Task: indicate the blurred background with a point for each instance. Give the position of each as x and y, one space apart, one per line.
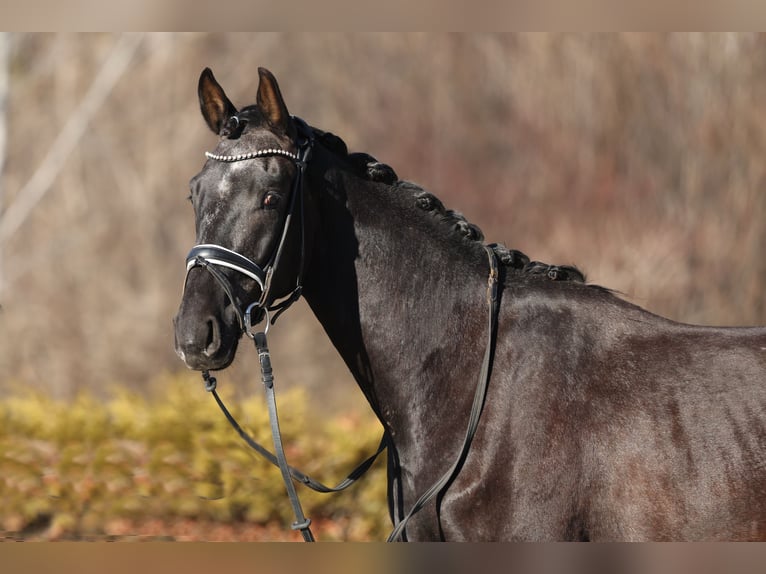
640 158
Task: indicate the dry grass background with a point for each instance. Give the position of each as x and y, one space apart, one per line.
639 158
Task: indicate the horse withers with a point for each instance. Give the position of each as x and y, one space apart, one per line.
600 420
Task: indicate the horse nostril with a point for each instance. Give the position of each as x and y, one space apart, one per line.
213 341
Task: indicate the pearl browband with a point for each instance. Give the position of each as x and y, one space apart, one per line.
253 155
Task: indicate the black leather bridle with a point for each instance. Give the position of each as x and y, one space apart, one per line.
213 257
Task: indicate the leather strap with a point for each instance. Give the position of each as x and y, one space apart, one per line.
301 522
303 478
443 483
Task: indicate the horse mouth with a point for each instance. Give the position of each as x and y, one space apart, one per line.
201 361
210 346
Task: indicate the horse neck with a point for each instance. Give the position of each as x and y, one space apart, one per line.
396 293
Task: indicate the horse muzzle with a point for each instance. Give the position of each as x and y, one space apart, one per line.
204 344
206 328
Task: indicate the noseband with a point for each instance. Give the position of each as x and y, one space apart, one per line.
213 257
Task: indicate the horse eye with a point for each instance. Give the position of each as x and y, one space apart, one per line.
271 200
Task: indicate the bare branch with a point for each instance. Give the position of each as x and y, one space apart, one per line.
45 174
4 57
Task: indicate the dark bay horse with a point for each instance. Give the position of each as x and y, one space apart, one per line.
601 421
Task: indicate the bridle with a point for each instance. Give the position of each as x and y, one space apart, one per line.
212 257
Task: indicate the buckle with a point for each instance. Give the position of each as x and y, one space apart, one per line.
301 525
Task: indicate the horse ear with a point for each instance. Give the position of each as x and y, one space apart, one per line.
215 106
270 100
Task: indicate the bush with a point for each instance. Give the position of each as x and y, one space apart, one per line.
84 464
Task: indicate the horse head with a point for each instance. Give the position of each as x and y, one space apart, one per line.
248 210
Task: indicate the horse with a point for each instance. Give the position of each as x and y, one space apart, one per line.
597 420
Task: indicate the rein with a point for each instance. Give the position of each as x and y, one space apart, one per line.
211 257
441 485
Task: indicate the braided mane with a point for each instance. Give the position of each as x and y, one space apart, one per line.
368 167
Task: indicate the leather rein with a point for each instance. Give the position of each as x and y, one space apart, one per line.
213 257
